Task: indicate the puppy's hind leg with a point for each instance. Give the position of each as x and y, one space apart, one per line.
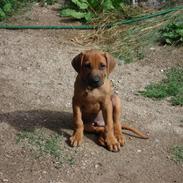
91 128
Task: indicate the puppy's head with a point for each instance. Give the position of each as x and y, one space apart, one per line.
93 67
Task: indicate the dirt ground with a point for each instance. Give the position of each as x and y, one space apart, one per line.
36 87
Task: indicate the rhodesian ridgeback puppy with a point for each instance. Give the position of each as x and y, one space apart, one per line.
95 108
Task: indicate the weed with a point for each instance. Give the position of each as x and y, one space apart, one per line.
43 144
171 86
178 99
172 33
177 153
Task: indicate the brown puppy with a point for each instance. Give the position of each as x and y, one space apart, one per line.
95 108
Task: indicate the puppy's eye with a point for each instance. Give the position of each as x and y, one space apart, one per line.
102 66
87 65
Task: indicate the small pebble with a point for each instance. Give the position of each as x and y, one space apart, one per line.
116 92
157 140
98 165
5 180
44 172
139 150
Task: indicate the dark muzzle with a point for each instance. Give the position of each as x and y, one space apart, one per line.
94 81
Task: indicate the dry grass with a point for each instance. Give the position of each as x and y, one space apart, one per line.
126 42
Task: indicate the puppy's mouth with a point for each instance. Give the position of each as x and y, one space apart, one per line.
95 85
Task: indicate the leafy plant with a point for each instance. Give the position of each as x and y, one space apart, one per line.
172 34
87 16
8 7
88 9
171 86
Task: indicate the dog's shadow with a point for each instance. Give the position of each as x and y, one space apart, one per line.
58 121
31 120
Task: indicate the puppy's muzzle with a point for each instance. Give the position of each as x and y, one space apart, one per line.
94 81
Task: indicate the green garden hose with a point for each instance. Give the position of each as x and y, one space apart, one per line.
128 21
47 27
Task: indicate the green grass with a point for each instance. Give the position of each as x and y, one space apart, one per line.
177 153
172 87
42 144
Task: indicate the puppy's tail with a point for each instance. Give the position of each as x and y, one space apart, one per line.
101 129
135 131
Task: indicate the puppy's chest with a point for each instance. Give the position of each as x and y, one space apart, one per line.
90 96
90 102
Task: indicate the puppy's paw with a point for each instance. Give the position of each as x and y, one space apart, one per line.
120 138
101 140
112 143
76 139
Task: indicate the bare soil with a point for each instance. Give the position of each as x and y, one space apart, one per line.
36 88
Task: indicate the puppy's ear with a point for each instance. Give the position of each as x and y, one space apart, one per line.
77 62
111 63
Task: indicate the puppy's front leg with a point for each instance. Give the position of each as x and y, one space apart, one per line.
110 140
76 138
